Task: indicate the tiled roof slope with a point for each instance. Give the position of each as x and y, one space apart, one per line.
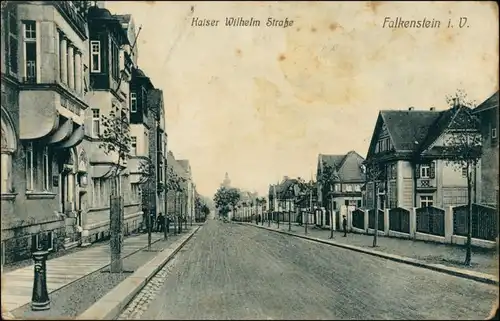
489 103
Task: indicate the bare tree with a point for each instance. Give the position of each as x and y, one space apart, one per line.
463 149
373 174
327 179
115 140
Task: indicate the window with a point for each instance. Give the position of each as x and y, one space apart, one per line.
95 52
424 171
133 102
336 187
426 201
30 166
133 143
30 51
115 61
357 188
348 188
6 173
464 171
493 133
11 37
46 170
96 122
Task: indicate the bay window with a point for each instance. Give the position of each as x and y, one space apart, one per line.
133 102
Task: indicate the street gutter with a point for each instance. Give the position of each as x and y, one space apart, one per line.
476 276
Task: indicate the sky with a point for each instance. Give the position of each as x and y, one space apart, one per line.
262 102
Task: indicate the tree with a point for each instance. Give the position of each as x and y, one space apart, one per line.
463 149
327 179
303 191
115 140
226 199
373 174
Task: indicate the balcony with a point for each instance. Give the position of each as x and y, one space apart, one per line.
426 184
73 12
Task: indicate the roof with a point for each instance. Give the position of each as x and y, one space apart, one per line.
414 131
337 161
184 163
408 128
123 18
332 160
491 102
176 167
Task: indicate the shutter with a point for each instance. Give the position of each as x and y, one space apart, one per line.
417 171
432 170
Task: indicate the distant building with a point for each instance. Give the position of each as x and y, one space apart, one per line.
488 115
349 178
226 182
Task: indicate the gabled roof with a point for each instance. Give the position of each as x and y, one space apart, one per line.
332 160
176 167
414 131
491 102
184 163
337 162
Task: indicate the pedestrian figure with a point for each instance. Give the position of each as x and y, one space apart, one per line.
167 223
344 225
160 223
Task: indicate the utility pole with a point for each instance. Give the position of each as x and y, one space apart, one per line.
331 218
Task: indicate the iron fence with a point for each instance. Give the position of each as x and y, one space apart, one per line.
484 221
399 220
430 220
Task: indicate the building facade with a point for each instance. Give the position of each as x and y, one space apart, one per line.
346 183
44 170
409 151
190 190
487 112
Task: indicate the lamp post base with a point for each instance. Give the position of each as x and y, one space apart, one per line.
40 306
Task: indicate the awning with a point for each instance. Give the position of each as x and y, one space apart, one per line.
102 171
63 132
75 138
107 170
138 178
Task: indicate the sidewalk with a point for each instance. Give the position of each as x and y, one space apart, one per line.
483 260
17 285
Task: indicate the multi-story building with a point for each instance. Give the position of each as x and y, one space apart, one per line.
189 186
348 178
111 63
156 186
282 198
408 148
488 115
141 119
176 199
44 171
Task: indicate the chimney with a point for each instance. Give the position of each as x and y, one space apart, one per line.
411 108
433 108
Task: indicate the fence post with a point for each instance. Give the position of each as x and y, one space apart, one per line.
413 222
448 224
386 222
349 219
366 221
333 221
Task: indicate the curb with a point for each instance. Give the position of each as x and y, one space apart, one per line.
476 276
112 304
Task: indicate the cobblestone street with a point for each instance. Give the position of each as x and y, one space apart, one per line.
231 271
